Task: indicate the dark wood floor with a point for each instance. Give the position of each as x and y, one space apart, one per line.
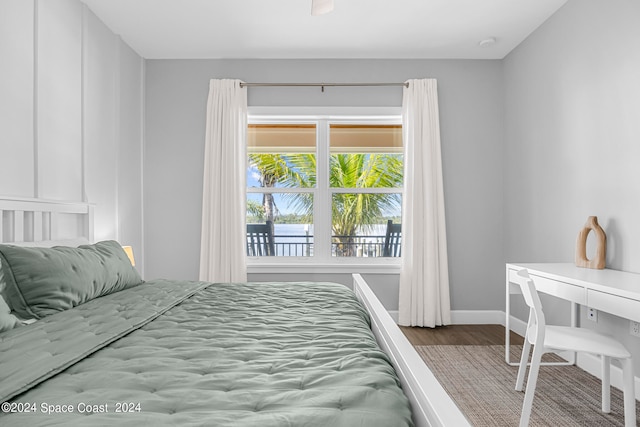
459 335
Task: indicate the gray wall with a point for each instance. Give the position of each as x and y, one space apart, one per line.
532 145
572 141
71 113
471 112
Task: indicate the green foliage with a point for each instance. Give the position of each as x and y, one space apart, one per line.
292 219
289 170
255 211
350 211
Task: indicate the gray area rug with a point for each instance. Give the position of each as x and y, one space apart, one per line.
482 385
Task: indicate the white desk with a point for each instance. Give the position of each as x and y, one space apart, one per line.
611 291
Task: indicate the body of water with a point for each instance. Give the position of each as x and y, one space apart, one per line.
297 240
285 230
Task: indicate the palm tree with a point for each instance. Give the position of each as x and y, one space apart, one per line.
289 170
351 212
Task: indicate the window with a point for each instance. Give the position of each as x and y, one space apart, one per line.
328 188
281 172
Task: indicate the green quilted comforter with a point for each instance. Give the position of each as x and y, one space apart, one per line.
187 353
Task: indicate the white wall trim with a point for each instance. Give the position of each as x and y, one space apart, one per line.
83 102
143 145
117 125
518 326
477 317
36 162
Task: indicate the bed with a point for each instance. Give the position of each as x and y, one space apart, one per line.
110 349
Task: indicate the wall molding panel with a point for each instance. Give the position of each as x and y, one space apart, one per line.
59 96
17 46
60 120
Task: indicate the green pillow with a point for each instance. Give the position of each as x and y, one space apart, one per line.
43 281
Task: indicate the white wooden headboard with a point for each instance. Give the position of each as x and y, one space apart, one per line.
34 220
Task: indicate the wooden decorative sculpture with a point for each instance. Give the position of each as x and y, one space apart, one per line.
599 260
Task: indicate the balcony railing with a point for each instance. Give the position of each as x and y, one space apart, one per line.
293 245
341 246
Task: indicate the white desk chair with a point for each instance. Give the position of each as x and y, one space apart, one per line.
560 338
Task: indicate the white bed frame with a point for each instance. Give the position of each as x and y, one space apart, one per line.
430 403
35 220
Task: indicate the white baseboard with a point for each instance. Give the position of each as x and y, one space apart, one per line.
469 317
588 362
477 317
516 325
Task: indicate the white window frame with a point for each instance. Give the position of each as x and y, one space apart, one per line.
322 261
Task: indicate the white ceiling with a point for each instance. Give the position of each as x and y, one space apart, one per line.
355 29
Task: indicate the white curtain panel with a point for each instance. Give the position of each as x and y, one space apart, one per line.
424 277
223 246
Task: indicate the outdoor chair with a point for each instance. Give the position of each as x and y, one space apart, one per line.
260 240
392 240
